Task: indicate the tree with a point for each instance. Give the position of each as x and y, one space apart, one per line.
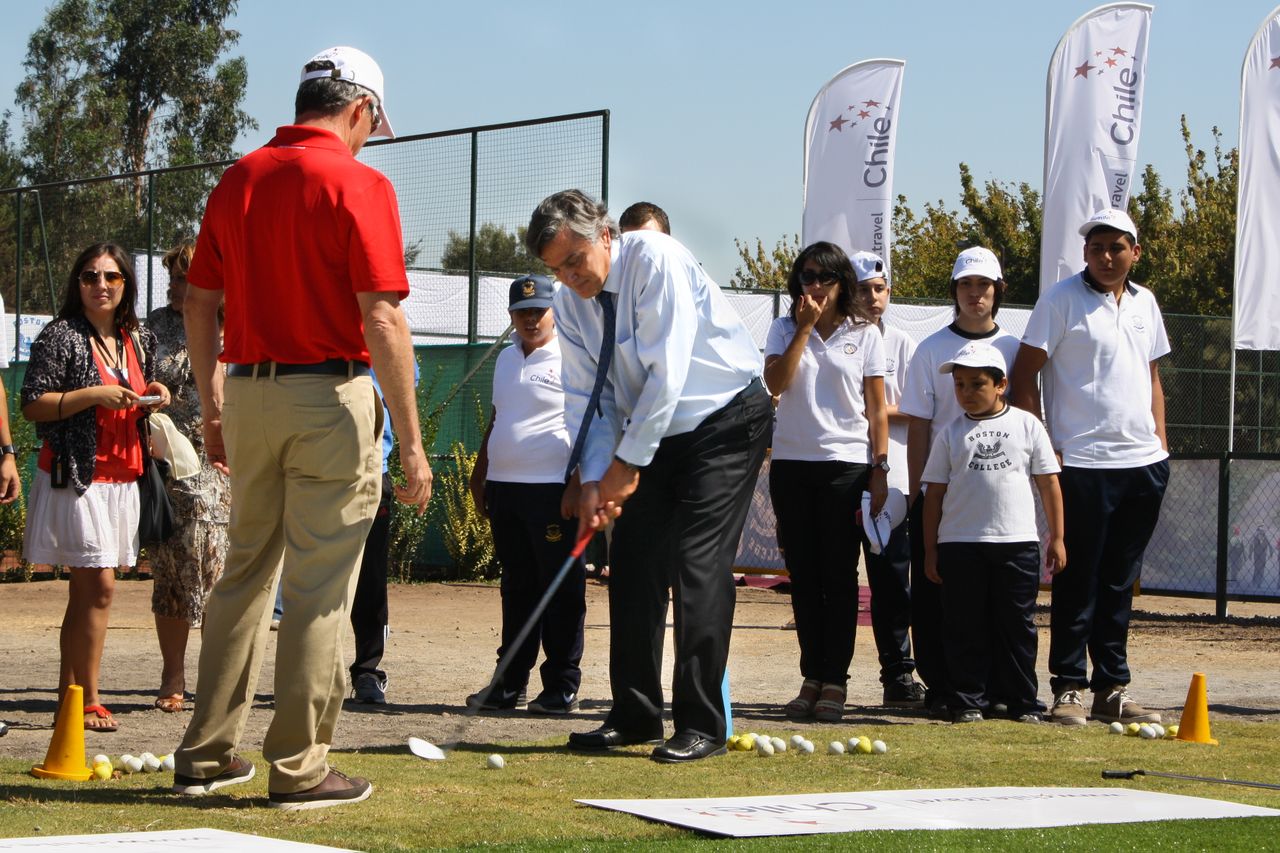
121 86
1007 220
924 250
765 271
497 250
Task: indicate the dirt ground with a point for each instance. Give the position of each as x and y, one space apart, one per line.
441 649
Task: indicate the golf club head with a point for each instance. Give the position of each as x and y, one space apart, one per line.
426 749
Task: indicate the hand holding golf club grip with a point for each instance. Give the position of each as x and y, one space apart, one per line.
1119 774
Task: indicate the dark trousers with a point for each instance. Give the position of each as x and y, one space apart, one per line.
532 542
889 576
989 598
369 618
1109 515
816 504
926 614
679 532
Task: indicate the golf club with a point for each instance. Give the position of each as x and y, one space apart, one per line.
1129 774
424 749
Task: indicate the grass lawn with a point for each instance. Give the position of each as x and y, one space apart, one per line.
458 803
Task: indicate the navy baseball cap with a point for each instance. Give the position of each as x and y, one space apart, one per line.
531 291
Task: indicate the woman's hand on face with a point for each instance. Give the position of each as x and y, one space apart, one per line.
114 397
808 311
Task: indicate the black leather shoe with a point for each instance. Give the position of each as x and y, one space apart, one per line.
607 737
687 746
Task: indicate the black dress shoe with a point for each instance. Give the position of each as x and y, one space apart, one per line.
687 746
607 737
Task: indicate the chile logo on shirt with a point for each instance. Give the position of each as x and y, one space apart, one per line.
850 349
1136 321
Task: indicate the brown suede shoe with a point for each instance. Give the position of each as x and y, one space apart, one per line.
336 789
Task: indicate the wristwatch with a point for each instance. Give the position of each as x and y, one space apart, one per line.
8 450
883 465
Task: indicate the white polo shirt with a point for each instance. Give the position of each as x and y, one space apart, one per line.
932 395
821 415
987 464
529 442
1097 381
898 349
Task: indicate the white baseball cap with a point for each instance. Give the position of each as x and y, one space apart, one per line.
976 261
1109 217
354 66
868 265
975 355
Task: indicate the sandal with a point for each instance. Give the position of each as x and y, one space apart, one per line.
830 707
171 704
101 721
801 707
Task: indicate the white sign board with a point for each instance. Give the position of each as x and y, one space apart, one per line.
186 840
949 808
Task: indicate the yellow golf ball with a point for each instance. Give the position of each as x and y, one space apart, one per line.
102 770
1171 731
864 745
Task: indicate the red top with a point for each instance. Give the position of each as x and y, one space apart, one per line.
291 233
119 455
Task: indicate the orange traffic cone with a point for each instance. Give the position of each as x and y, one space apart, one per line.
65 758
1194 725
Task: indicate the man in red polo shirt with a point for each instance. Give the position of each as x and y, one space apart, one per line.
303 241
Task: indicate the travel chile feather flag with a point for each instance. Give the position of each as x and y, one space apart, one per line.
1093 114
849 139
1257 297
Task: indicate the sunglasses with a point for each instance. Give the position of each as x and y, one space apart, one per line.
826 277
88 278
376 119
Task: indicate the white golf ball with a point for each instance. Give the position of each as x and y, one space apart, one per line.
1158 729
806 746
167 762
133 765
764 747
835 748
796 740
879 747
100 759
1117 728
495 762
779 745
144 756
117 763
1146 732
151 764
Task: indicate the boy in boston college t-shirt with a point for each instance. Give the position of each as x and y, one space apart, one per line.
980 537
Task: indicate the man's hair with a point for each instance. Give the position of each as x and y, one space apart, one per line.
328 96
830 258
995 373
635 216
177 260
73 300
572 209
997 296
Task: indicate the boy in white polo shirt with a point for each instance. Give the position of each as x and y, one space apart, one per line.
980 538
977 287
1094 339
889 572
518 482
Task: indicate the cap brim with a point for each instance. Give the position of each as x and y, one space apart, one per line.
384 130
536 302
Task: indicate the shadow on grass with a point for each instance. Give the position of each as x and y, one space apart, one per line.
35 792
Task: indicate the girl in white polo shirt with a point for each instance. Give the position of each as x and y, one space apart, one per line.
826 363
518 482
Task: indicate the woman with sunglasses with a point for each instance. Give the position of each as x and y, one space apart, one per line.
825 362
86 392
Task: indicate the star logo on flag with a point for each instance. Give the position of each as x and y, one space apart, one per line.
1110 63
1275 63
871 103
1083 70
838 124
1119 51
863 114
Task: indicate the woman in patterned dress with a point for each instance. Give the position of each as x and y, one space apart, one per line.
185 566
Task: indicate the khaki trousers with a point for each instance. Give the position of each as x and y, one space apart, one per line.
306 474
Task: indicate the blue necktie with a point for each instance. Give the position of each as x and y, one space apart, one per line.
605 298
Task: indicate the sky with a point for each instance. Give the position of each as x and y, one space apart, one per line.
708 99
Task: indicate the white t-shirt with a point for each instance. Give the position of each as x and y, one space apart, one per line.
822 415
1097 381
931 395
987 464
898 350
4 337
529 442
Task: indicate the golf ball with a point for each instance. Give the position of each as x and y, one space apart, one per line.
133 765
1132 730
1117 728
167 762
1146 732
118 763
796 740
879 747
747 743
835 748
495 762
732 743
864 745
1158 729
102 770
764 747
150 764
805 746
852 744
101 759
1172 731
779 745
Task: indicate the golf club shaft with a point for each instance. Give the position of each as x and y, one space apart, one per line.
1129 774
525 630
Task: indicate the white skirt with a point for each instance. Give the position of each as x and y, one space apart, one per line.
98 529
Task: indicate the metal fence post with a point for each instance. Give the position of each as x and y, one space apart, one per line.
1224 510
151 237
604 158
17 314
473 285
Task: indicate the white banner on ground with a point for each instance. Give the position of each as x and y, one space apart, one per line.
953 808
186 840
1257 291
849 139
1093 113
